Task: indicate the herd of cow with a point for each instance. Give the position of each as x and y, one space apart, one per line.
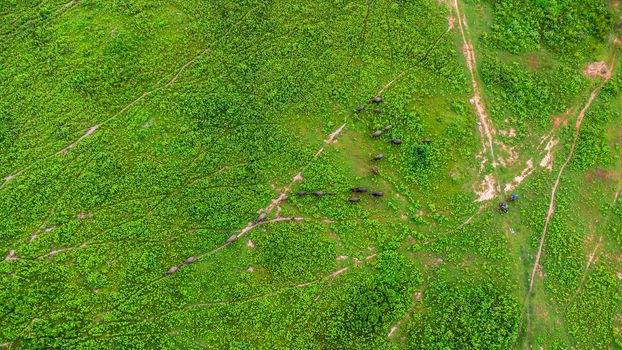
377 157
356 190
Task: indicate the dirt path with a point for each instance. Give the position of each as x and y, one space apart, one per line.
466 222
585 273
90 131
417 296
450 26
486 128
551 210
256 297
596 247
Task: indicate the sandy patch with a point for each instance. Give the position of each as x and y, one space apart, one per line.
250 244
487 189
148 123
511 132
597 69
393 329
561 119
84 215
511 154
532 61
520 178
332 137
547 161
451 22
11 255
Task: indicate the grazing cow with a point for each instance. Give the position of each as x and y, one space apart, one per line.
261 217
377 194
377 99
377 110
190 260
374 171
360 109
359 189
376 133
231 239
388 127
301 193
318 193
378 157
396 142
353 200
171 271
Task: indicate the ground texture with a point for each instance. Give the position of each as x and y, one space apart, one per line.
180 174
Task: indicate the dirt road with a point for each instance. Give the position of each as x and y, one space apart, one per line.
551 210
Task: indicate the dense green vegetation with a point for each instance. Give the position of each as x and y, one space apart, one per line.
142 140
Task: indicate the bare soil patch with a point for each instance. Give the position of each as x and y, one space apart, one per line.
511 132
250 244
487 189
520 178
600 174
532 61
547 160
597 69
333 136
11 255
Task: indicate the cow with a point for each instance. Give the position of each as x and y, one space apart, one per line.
378 156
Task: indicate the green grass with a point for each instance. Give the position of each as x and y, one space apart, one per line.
203 112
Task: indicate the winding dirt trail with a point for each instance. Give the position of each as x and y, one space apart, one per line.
551 210
485 125
597 246
489 186
90 131
590 259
